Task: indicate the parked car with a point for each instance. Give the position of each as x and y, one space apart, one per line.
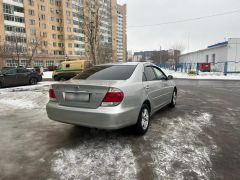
18 76
52 68
69 69
112 96
38 71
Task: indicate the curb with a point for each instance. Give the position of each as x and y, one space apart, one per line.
47 79
207 79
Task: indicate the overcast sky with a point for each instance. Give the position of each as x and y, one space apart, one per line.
199 33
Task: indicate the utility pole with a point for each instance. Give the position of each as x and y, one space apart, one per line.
236 55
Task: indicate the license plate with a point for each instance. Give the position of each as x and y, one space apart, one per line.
77 97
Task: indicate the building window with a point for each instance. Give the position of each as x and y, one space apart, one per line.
207 58
24 63
8 9
19 19
43 8
32 22
31 12
49 63
11 63
31 2
38 63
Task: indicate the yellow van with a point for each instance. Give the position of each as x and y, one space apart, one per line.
68 69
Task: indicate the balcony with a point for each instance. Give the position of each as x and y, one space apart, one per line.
18 3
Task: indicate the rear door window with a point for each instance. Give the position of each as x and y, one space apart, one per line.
160 75
108 72
149 73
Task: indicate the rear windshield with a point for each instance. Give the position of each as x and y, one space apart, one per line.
108 72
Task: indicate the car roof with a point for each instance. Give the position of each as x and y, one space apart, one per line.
127 64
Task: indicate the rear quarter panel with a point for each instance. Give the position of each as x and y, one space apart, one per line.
134 96
134 93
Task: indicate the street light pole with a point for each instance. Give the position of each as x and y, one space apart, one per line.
160 55
18 58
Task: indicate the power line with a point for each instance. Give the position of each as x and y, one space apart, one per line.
187 20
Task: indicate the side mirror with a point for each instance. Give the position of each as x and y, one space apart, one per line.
170 77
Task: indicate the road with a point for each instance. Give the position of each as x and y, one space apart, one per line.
199 139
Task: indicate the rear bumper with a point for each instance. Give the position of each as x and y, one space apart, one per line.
101 118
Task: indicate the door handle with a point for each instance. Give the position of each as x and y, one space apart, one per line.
147 87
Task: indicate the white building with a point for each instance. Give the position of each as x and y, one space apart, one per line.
217 55
130 55
137 58
221 52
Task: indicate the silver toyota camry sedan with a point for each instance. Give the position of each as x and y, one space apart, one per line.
112 96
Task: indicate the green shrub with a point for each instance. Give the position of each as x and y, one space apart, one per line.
192 72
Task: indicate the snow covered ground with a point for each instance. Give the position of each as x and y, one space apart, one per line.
182 75
174 144
97 158
44 85
47 75
180 149
207 75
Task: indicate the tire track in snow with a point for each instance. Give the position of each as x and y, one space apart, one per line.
181 151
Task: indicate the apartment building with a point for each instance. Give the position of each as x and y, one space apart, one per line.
58 26
121 33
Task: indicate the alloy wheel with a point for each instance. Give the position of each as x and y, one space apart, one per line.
145 119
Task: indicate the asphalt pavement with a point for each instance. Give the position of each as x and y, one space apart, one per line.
199 139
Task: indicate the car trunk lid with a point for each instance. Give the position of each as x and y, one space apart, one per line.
82 93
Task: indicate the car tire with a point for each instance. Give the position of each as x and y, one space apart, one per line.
62 79
56 78
143 120
174 99
33 81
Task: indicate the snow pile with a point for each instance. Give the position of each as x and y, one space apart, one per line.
99 158
23 100
202 75
39 86
17 104
182 150
47 75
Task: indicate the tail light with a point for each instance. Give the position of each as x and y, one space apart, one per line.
52 94
113 97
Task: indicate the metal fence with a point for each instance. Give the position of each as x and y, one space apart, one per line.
228 67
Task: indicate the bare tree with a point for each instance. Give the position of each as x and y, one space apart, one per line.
13 47
177 49
34 46
5 52
105 53
96 51
178 46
